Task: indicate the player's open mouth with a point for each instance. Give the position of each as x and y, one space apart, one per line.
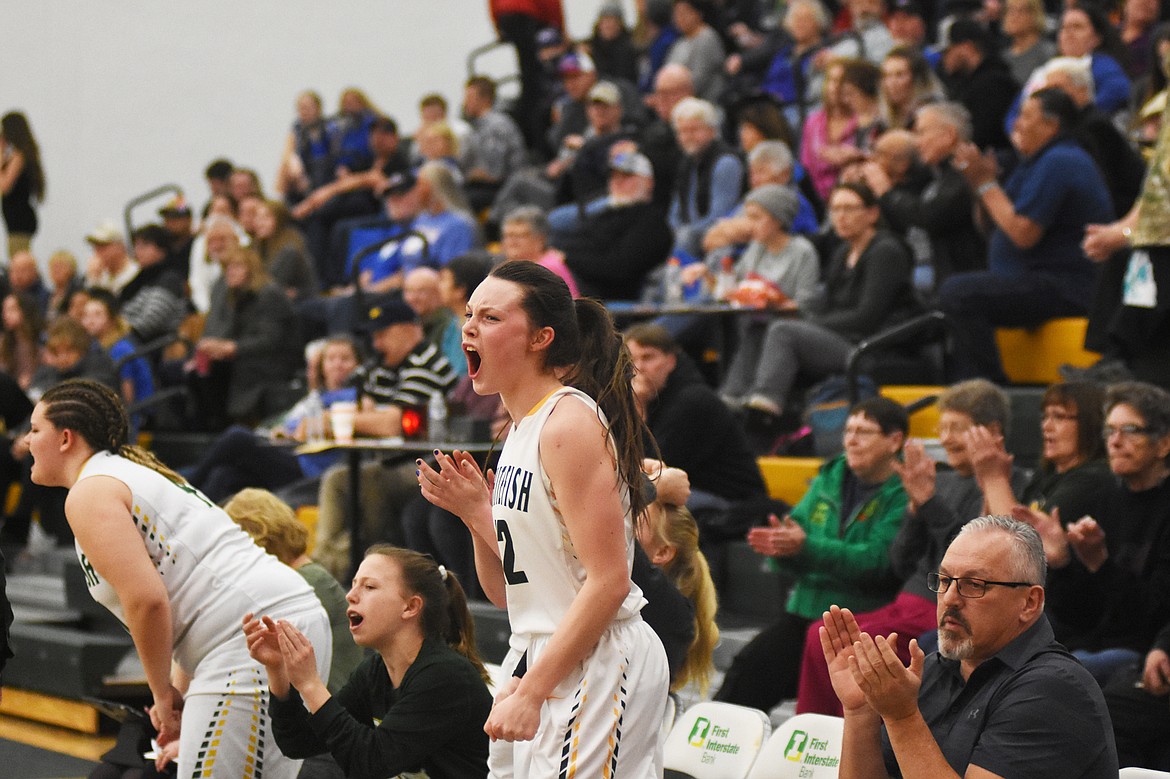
473 360
355 619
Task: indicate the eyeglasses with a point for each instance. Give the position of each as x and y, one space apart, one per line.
968 587
1057 416
1125 431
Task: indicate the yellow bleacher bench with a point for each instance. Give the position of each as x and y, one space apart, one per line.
787 478
1034 356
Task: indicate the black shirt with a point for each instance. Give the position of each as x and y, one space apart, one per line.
1029 711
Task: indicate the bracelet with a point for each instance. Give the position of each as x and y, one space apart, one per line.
985 187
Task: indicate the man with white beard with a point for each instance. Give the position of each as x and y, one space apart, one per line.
1001 698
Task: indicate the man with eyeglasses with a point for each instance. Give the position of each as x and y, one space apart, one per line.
1000 698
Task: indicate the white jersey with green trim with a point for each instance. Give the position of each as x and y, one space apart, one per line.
541 568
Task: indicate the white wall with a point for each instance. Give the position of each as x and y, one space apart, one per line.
125 95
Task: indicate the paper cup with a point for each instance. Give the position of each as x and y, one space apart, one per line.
341 416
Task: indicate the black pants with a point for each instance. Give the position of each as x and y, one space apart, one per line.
767 670
1141 722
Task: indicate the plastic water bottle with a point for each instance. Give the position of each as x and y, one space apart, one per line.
672 286
724 279
437 417
314 418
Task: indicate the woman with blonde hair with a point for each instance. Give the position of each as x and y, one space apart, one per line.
670 538
284 253
249 350
274 527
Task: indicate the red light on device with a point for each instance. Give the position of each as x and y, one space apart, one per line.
412 423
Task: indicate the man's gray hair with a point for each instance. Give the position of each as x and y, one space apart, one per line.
820 14
775 154
1027 559
533 216
1076 70
952 114
694 108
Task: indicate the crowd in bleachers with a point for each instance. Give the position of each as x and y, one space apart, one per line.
838 168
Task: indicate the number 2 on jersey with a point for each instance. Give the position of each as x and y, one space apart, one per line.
511 575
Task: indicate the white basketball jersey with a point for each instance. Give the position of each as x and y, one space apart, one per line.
213 572
541 568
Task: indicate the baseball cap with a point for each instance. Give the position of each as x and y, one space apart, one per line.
105 233
386 312
572 64
632 163
176 206
400 183
963 30
605 92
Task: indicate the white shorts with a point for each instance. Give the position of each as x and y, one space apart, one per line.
226 728
603 720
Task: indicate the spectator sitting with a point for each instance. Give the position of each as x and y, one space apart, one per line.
432 111
690 426
907 84
829 136
63 274
1110 571
1097 134
218 175
421 291
945 207
1137 702
153 300
710 176
868 37
570 112
437 142
241 457
20 341
700 49
997 658
274 527
104 323
176 220
580 169
70 353
610 45
777 272
669 536
283 252
408 372
1025 24
1073 478
220 233
24 278
617 240
250 345
867 288
495 148
244 183
525 235
770 162
350 129
306 163
656 140
974 75
835 542
939 504
1087 32
353 194
1037 270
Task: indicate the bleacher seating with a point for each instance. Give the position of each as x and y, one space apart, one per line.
806 745
1035 356
713 740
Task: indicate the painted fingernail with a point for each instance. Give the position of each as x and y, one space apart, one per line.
436 453
417 472
418 462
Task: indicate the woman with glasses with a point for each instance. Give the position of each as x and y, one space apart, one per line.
867 288
1073 476
835 544
1110 580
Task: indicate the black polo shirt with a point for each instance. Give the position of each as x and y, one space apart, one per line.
1032 711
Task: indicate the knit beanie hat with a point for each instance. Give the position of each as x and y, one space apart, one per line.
778 200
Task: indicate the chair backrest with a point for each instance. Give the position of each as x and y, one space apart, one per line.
714 740
1142 773
807 745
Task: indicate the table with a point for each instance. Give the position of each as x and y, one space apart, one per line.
393 445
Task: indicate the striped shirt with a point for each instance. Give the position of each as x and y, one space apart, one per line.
412 382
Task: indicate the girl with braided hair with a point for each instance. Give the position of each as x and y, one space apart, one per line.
419 700
554 537
179 573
